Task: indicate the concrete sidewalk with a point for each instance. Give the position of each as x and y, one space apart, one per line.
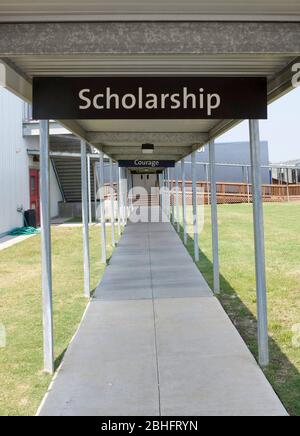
9 241
155 341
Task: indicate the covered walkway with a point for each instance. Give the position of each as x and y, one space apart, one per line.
155 341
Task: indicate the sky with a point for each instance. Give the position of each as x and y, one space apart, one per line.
281 130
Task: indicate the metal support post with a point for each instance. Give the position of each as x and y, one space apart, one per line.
102 208
85 220
195 208
261 288
184 201
46 248
112 202
214 216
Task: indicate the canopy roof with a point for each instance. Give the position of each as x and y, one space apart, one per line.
48 10
148 48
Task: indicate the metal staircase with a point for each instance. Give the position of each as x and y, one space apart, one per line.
69 175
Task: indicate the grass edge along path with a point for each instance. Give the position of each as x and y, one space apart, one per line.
23 382
238 289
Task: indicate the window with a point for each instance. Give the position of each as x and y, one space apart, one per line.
32 184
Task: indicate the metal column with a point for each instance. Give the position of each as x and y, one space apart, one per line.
261 288
124 194
214 216
207 182
95 192
85 220
112 202
164 193
102 208
168 194
177 198
172 196
89 188
127 195
46 248
123 182
119 195
195 208
161 191
183 201
162 187
130 197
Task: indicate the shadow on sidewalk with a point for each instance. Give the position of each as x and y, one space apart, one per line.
282 374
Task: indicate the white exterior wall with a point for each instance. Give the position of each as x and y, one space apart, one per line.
14 178
15 164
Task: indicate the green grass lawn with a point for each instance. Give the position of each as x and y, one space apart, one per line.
23 383
238 297
22 380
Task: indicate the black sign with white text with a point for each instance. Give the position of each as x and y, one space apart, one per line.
146 163
149 98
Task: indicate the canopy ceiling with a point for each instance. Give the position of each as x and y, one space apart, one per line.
54 10
208 49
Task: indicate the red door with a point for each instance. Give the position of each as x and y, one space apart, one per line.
35 193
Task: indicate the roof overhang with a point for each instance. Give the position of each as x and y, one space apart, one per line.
145 10
85 49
